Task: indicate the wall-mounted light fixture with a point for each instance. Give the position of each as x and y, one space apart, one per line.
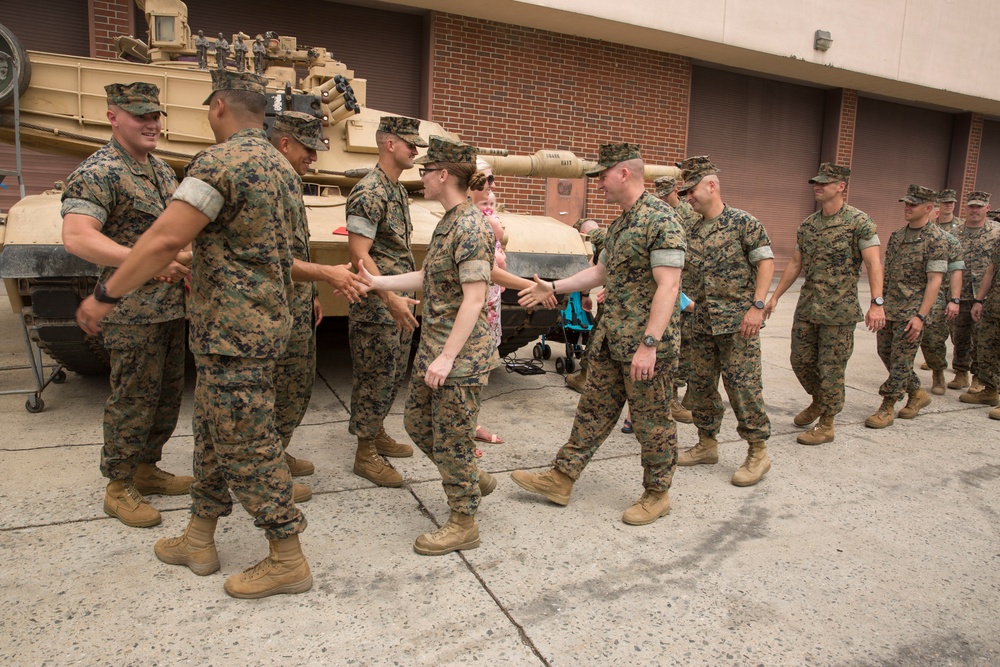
823 40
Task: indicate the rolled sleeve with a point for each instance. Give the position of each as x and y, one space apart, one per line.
671 257
474 271
761 253
869 242
937 266
357 224
956 266
84 207
201 195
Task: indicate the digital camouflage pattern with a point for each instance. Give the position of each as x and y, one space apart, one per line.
137 98
988 343
442 422
241 275
831 173
225 79
294 375
687 218
147 382
897 354
609 386
947 195
379 209
126 197
664 185
831 261
909 256
407 129
935 335
236 446
722 256
819 357
443 149
647 235
305 128
608 155
917 194
977 198
978 244
460 251
693 169
380 353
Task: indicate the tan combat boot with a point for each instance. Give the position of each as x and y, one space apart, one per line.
387 446
883 416
487 483
299 467
461 532
369 464
995 413
987 396
755 467
924 366
650 507
811 413
195 548
285 570
961 380
577 381
914 402
679 412
976 386
688 400
706 451
553 484
937 383
819 434
301 493
149 480
125 503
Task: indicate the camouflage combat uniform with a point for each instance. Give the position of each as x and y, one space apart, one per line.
828 308
687 218
909 256
722 258
934 338
978 244
648 235
240 323
378 209
988 370
144 333
442 421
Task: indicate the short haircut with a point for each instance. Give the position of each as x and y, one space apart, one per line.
247 101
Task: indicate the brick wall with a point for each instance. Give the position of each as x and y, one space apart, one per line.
505 86
109 18
971 160
848 118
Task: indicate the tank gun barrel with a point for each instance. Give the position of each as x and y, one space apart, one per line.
557 164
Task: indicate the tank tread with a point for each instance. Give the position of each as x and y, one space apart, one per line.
67 344
522 325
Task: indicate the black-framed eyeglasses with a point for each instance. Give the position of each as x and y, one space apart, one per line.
426 170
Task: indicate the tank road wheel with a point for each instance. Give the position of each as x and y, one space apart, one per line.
546 351
560 365
536 351
11 46
34 404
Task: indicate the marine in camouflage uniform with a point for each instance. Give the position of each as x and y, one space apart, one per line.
831 245
986 313
633 349
915 261
597 236
730 264
379 229
946 307
979 238
113 197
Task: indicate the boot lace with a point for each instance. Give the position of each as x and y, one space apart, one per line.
259 569
133 493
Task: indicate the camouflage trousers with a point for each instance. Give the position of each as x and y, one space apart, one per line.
965 335
737 361
608 387
897 354
819 357
442 423
147 381
380 353
934 340
294 374
237 448
989 349
684 360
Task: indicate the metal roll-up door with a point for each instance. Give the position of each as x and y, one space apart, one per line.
765 137
381 46
30 21
988 174
895 145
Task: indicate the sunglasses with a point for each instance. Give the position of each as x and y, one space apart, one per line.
424 171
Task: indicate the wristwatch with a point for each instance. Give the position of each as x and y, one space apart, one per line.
978 300
922 318
649 341
956 301
878 301
101 294
759 305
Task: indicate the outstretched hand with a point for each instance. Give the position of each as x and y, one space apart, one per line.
536 294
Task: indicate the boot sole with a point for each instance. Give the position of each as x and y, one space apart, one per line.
869 425
394 454
154 491
440 552
134 524
705 461
201 569
647 521
552 497
916 411
302 473
973 401
756 481
287 589
683 419
388 485
813 442
488 489
937 391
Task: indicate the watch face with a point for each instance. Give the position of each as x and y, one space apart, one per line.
878 301
759 305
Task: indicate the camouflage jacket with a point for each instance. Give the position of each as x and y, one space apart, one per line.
978 245
831 260
956 262
723 255
379 209
300 305
909 256
126 197
598 237
991 305
645 236
687 218
950 227
242 272
461 250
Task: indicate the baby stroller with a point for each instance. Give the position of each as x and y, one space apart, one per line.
576 324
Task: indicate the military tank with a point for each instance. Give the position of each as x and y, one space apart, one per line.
62 109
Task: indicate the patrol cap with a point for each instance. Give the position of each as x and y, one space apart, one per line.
443 149
611 154
308 130
664 185
137 98
977 198
918 194
407 129
831 173
946 196
693 169
224 79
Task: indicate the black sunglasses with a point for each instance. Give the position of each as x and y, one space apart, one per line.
425 170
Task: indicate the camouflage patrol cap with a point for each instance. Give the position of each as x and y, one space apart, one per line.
443 149
977 198
407 129
664 185
308 130
918 194
946 196
224 79
993 215
137 98
831 173
611 154
693 169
